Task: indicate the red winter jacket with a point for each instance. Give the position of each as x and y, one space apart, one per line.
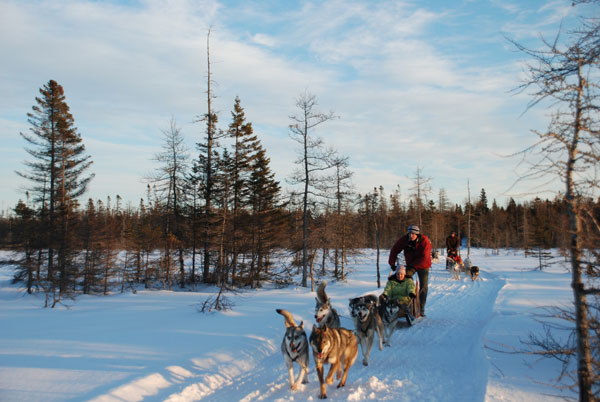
418 257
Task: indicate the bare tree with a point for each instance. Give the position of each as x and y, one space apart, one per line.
313 159
566 73
469 212
343 189
169 180
420 190
205 165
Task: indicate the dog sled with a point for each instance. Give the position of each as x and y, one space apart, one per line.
453 258
455 265
414 308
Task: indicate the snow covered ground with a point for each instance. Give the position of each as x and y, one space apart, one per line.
156 346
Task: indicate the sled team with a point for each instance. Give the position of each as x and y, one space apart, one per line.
454 262
337 346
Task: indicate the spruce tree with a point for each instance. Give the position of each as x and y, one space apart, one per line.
58 177
244 147
267 220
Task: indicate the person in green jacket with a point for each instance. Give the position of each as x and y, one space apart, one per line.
399 287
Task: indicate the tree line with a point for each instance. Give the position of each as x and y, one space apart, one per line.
224 219
221 217
104 246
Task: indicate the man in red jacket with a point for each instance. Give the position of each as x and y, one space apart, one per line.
417 254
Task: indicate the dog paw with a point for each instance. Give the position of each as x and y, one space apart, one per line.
323 396
365 363
294 387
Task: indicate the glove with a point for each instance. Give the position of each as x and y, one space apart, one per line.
412 295
382 298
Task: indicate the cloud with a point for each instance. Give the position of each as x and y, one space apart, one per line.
264 40
414 85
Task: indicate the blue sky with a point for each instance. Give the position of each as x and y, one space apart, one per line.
415 83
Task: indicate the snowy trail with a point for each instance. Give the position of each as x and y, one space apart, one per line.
448 340
155 346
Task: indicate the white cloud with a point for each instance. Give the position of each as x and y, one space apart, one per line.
264 40
410 91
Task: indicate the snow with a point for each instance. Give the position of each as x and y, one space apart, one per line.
156 346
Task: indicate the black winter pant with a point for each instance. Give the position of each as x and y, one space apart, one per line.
423 284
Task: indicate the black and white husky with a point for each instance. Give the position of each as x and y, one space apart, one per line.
367 321
325 314
294 348
455 269
391 312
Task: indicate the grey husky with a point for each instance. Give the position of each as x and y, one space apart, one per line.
367 321
325 315
391 312
294 348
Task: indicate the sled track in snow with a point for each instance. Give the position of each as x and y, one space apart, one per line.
457 315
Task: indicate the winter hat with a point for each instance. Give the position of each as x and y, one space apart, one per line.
414 229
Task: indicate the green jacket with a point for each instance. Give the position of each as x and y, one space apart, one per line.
399 290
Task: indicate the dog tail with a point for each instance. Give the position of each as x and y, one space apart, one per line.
289 320
321 295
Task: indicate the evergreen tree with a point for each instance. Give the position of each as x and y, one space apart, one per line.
58 177
267 219
25 236
245 145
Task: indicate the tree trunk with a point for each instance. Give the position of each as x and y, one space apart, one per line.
584 358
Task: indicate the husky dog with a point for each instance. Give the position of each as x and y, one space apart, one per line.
455 269
335 346
391 312
367 321
474 272
324 313
294 348
467 264
435 256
